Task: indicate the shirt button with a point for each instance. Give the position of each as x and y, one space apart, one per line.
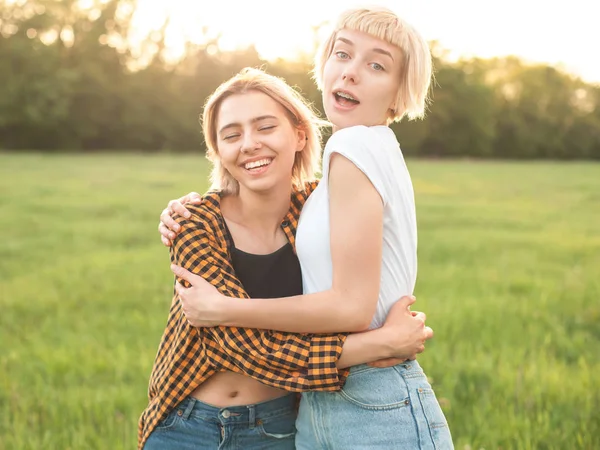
285 223
226 414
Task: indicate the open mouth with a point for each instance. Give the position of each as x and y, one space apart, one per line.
257 166
345 98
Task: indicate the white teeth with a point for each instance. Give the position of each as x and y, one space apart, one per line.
346 96
259 163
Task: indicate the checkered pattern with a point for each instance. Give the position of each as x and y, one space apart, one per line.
187 356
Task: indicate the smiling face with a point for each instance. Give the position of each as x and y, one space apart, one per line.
256 141
361 79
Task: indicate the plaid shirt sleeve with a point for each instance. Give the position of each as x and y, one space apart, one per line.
291 361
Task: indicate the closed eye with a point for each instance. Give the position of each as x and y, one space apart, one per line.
267 127
231 136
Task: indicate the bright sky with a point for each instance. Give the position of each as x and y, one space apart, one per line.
558 33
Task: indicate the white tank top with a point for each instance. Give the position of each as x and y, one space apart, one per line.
375 151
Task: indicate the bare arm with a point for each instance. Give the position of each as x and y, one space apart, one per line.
401 337
356 212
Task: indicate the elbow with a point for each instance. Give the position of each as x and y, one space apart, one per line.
359 317
364 323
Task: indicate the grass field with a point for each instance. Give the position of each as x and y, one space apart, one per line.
509 276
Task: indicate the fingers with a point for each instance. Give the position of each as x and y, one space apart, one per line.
407 300
388 362
168 221
165 232
176 207
193 198
184 274
419 315
428 333
180 290
166 242
401 307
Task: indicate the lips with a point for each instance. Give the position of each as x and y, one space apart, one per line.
345 98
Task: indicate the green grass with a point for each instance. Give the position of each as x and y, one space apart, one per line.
509 275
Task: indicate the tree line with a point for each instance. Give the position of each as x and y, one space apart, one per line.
69 82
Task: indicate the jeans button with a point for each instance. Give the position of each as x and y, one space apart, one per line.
226 414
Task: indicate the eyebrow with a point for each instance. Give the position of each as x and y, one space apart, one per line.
375 49
253 120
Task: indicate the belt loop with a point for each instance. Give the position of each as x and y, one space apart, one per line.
191 402
252 416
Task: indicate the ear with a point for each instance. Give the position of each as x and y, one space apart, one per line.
302 139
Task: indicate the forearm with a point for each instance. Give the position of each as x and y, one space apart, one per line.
307 362
330 311
361 348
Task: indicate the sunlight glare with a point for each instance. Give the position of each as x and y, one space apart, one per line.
465 27
233 25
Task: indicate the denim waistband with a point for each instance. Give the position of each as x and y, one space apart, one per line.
244 414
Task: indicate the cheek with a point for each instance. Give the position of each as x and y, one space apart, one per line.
384 97
329 74
392 92
228 157
287 153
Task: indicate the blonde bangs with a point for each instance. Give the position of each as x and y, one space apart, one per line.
416 72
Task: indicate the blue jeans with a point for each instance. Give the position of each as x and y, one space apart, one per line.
196 425
392 408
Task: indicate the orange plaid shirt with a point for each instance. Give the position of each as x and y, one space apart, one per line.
187 356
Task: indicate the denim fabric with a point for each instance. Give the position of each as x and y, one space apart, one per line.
391 408
196 425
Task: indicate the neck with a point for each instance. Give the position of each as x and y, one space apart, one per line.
260 211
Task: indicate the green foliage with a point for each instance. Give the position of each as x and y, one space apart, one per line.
509 276
87 91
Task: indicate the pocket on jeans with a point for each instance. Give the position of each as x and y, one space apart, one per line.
376 389
169 421
280 427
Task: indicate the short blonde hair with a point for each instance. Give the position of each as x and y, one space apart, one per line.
416 72
299 112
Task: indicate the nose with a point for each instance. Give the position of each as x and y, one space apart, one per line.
249 143
350 74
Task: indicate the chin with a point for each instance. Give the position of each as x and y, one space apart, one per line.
260 186
340 121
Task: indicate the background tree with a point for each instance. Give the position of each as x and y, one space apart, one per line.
69 80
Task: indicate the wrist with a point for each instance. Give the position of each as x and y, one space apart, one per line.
228 308
385 339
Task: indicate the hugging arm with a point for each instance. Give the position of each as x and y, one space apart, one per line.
356 216
298 358
199 249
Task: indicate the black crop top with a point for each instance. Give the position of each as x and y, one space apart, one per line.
269 276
